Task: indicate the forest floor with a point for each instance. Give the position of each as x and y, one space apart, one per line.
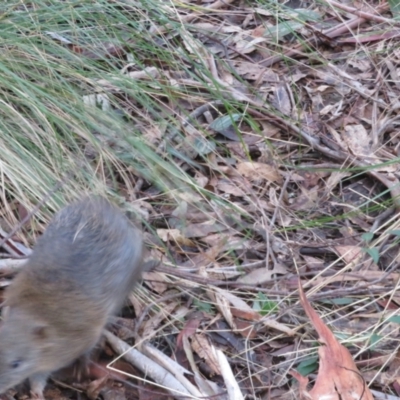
257 143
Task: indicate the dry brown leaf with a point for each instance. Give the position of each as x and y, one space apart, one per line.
335 178
314 263
281 99
247 314
272 323
188 331
256 170
201 180
223 307
357 140
174 235
261 275
255 71
156 280
202 346
203 229
229 188
240 307
246 329
349 253
153 133
182 348
338 377
361 64
236 301
307 200
269 130
150 327
246 46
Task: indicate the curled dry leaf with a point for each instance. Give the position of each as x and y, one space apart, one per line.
245 46
338 377
222 304
182 341
242 310
201 345
156 280
281 99
256 170
261 275
272 323
349 253
174 235
358 140
231 188
150 327
203 229
246 329
307 200
255 71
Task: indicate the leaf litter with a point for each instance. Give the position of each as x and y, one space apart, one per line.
284 116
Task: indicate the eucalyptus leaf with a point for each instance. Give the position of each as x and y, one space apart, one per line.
342 301
395 8
307 15
395 319
374 339
367 237
204 146
308 366
223 123
282 29
374 253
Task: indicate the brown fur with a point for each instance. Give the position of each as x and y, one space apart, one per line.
81 270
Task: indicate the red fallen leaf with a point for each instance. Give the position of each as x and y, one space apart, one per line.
246 329
388 304
259 31
396 387
188 330
99 370
338 377
249 315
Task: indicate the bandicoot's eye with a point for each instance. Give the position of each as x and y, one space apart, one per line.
16 363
